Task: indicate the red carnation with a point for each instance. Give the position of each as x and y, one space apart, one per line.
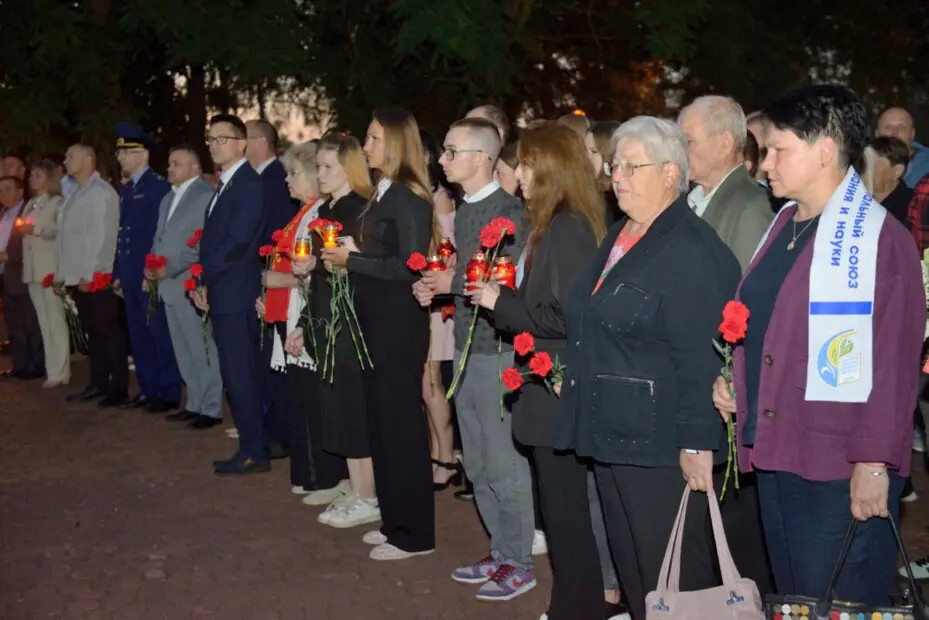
541 364
48 280
504 225
190 284
265 250
276 235
512 379
492 234
196 270
316 225
100 281
416 261
735 322
162 261
448 312
151 261
524 343
195 238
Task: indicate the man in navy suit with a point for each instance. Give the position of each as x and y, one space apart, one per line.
231 282
139 199
262 155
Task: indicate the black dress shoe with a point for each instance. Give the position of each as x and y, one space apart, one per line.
276 450
204 421
114 400
26 375
466 494
160 406
141 400
89 393
241 465
181 416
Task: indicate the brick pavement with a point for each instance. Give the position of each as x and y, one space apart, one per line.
116 514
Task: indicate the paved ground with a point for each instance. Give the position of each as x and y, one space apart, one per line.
115 514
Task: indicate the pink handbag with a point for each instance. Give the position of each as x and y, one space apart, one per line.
736 599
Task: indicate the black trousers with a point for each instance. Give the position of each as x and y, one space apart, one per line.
742 519
22 325
274 394
640 505
577 587
109 349
396 330
311 467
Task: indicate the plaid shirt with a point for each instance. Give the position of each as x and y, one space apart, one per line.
917 217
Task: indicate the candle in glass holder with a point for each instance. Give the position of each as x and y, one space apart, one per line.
478 268
329 233
435 263
302 248
505 272
446 249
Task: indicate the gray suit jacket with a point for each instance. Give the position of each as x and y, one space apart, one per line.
171 238
740 213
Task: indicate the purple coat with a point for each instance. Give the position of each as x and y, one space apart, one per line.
822 440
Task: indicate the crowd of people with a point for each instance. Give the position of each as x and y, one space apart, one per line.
287 284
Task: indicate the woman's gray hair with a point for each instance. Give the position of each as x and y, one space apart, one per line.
304 153
662 140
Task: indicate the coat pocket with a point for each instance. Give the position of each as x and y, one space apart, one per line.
624 408
628 309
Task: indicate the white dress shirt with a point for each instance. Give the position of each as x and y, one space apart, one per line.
483 193
699 201
179 191
382 186
224 178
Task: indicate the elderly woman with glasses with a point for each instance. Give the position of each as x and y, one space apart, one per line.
826 379
639 324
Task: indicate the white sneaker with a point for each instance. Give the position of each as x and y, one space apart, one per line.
912 497
357 512
374 537
919 441
321 497
337 504
298 490
539 544
919 567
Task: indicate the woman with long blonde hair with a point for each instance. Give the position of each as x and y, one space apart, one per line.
565 226
397 222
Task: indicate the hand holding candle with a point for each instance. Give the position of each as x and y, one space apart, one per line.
505 272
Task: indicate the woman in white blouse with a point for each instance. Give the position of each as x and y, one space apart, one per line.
40 258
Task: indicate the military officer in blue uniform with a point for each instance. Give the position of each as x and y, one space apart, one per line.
139 200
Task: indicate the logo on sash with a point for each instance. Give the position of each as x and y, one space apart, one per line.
838 363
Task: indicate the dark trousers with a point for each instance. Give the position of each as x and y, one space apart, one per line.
310 466
577 587
155 365
397 335
22 325
640 505
236 338
109 351
742 521
274 395
805 523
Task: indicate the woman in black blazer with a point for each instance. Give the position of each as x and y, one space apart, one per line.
639 360
397 223
566 214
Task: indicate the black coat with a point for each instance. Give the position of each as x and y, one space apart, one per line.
561 256
641 365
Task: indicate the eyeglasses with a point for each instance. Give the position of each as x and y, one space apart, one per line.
220 140
625 169
450 153
294 172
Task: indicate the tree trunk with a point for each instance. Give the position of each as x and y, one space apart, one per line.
196 113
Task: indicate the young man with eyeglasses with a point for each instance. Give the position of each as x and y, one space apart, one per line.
499 473
231 281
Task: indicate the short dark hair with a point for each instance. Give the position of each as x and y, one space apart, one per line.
17 182
824 110
267 131
238 127
187 148
893 149
751 152
508 154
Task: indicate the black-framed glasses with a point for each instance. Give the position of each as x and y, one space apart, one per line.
450 153
220 140
625 169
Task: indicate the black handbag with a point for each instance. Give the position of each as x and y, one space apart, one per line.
786 607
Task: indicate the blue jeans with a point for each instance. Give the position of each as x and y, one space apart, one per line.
805 524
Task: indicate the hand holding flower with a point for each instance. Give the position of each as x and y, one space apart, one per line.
294 343
723 399
336 256
484 294
439 282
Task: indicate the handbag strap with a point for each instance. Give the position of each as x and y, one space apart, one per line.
673 545
824 604
727 567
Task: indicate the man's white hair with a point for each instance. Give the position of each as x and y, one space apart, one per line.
719 115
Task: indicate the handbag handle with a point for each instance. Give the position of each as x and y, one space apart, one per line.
824 604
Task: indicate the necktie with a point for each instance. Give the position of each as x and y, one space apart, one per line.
219 190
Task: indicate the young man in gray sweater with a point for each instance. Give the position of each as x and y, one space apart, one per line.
500 475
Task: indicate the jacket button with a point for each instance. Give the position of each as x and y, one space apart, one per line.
573 382
769 413
768 360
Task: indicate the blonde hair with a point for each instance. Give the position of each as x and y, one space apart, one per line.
305 155
53 181
352 158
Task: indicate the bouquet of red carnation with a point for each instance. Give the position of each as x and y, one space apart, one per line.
194 283
75 330
342 306
153 262
101 282
491 236
733 328
540 365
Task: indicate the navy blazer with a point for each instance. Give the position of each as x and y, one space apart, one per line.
278 203
232 234
138 219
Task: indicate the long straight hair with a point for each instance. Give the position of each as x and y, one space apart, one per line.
53 186
352 158
404 159
562 180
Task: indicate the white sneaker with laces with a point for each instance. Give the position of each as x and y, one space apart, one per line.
920 568
321 497
539 543
354 513
374 537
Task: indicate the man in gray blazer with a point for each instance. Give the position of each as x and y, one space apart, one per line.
726 196
181 212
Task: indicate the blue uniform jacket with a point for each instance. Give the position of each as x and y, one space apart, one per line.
138 220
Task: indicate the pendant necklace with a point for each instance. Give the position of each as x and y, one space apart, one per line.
793 242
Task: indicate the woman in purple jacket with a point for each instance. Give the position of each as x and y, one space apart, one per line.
825 378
